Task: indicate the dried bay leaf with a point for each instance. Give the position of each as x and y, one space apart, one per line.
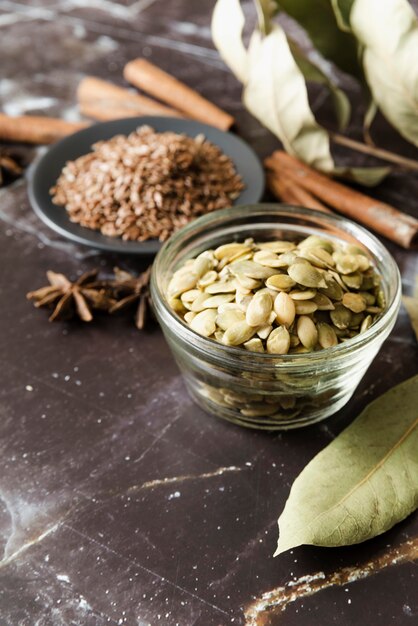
321 23
411 306
362 483
276 94
227 26
275 91
313 73
390 46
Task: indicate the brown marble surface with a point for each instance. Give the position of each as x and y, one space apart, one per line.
121 502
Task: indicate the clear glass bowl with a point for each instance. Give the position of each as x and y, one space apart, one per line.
260 390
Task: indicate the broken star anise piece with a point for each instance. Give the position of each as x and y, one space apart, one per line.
132 290
9 166
68 298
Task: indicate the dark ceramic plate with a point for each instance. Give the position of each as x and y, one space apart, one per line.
45 171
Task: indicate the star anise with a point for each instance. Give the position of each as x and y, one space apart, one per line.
69 298
132 290
9 166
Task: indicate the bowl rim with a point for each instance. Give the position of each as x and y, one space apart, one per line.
231 353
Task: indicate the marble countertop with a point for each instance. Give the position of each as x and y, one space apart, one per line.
121 502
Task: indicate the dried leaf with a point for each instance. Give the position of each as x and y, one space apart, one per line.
313 73
411 306
276 94
324 31
275 90
390 48
227 26
367 176
361 484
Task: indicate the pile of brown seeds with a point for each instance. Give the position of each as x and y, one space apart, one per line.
279 297
147 184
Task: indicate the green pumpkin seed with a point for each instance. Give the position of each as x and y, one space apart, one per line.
278 341
314 241
307 294
254 345
305 307
227 286
259 309
264 331
229 250
280 282
366 323
307 275
182 280
247 282
207 279
352 281
323 302
354 302
204 322
278 247
252 269
214 301
268 258
238 333
340 317
285 309
201 265
333 289
307 332
326 336
229 318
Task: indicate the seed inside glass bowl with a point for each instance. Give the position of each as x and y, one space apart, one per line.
279 297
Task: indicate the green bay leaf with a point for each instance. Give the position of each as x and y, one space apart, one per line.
362 483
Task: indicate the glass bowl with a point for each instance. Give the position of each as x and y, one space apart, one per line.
260 390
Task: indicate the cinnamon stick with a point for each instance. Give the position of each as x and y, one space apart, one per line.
165 87
288 191
379 216
102 100
36 129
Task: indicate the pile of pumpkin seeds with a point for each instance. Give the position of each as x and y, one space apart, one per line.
279 297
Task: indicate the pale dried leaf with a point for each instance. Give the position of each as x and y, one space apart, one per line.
362 483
